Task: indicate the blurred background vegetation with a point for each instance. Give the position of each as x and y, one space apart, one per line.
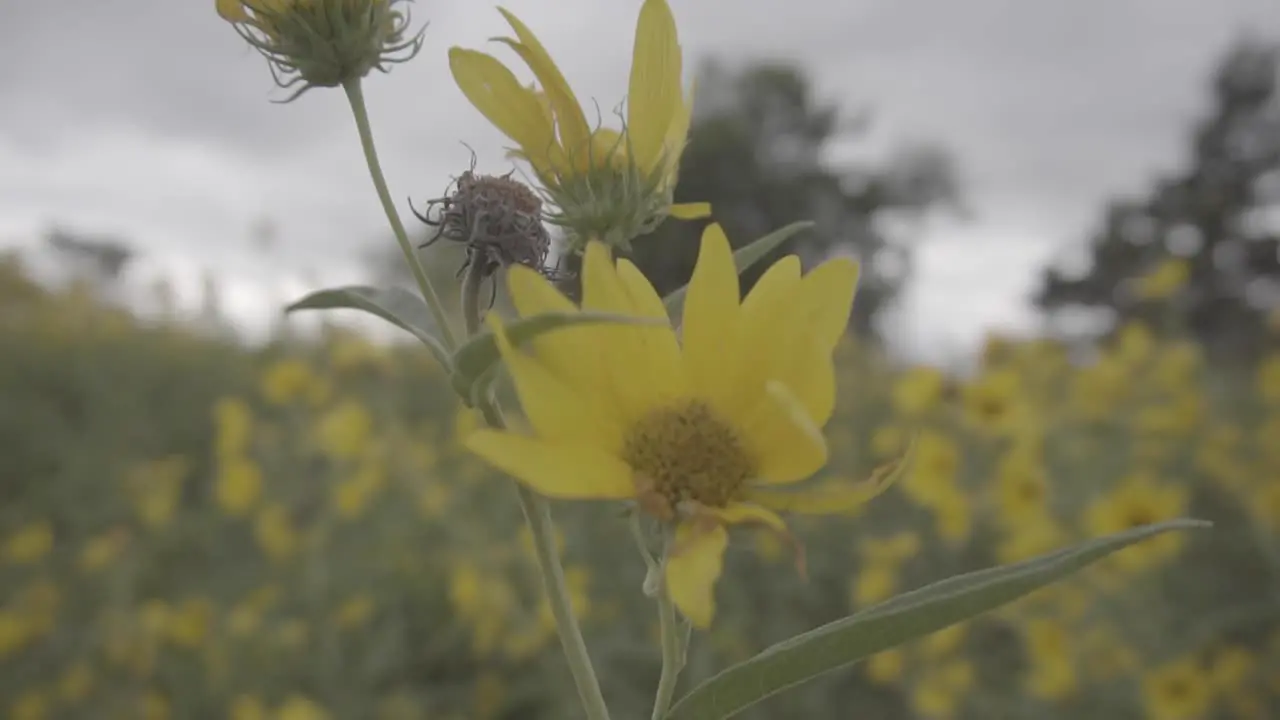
195 527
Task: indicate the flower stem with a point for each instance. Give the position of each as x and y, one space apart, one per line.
538 514
672 653
355 95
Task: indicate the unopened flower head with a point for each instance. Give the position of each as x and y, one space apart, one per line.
324 43
605 184
700 431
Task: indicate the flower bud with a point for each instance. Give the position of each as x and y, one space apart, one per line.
323 43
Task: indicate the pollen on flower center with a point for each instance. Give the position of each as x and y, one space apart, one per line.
687 452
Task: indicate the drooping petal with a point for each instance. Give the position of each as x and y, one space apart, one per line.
569 472
779 432
692 571
710 328
749 513
558 411
510 106
691 211
836 497
657 342
574 132
654 92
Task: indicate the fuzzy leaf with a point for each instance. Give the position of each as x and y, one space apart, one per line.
398 306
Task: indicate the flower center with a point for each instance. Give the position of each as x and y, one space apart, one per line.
686 452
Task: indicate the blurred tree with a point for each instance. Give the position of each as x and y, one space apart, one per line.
1199 253
759 152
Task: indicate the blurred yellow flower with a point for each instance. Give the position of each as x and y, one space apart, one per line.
698 433
352 496
233 427
344 432
874 582
76 683
15 632
273 529
30 543
1268 379
887 666
953 515
1231 668
355 612
1138 500
154 707
289 381
247 707
156 488
607 185
918 391
1052 663
944 642
238 485
991 402
489 696
101 550
1179 690
1022 486
1036 535
299 707
933 471
188 625
30 705
940 689
292 634
1163 281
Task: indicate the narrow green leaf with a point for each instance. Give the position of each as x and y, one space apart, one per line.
904 618
474 361
744 257
400 307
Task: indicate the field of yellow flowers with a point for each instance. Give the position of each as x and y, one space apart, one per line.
193 529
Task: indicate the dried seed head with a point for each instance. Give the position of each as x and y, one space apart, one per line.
499 220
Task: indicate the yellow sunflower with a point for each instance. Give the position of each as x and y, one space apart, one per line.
607 184
701 430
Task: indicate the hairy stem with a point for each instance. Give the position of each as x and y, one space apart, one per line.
355 95
538 514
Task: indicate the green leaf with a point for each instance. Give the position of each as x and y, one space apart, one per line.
400 307
744 257
904 618
475 360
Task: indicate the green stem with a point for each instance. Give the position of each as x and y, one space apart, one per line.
672 652
355 95
538 514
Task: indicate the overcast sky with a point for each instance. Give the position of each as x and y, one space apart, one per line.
150 119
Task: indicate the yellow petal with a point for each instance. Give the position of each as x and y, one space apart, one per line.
710 331
677 137
691 573
805 365
558 411
654 92
634 386
511 107
826 297
232 10
836 497
570 472
574 132
608 149
658 342
787 443
568 352
766 326
740 513
691 211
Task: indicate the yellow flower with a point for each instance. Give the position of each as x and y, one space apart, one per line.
886 667
299 707
15 632
156 488
607 185
1137 501
699 431
1179 690
188 625
345 431
355 612
940 689
76 683
233 424
918 391
239 485
991 402
31 705
323 43
1053 671
288 381
1022 487
30 543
